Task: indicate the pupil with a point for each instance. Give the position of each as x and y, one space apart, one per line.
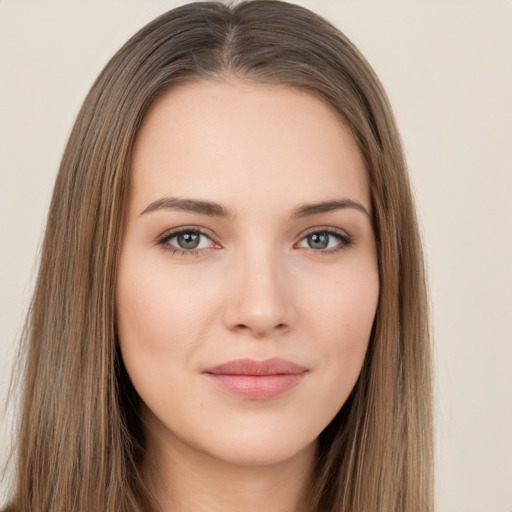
188 240
318 240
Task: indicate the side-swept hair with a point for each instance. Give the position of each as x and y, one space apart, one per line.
80 441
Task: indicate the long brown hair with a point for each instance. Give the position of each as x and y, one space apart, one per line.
80 442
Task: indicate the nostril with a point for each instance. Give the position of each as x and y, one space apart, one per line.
260 330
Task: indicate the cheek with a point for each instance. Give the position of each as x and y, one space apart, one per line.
343 315
345 305
160 318
155 306
144 313
160 322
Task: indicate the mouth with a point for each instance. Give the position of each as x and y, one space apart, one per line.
257 380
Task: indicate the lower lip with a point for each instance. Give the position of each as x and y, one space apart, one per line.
260 387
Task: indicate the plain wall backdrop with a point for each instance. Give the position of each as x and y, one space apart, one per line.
447 67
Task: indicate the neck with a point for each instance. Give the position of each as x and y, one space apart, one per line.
183 479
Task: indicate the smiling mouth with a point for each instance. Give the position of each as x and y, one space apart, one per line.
257 380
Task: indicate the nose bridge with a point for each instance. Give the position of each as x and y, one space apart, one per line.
260 302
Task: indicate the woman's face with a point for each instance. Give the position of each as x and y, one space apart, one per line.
248 281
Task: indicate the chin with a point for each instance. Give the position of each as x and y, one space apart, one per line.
259 448
258 456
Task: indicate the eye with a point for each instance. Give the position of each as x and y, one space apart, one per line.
326 240
186 241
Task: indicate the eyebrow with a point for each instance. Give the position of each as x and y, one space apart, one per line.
189 205
328 206
212 209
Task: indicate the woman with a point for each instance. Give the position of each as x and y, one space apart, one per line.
230 310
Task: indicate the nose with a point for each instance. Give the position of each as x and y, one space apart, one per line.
260 297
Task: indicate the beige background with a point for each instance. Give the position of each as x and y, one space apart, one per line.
447 66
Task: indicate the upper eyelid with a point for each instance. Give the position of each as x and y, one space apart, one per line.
171 233
320 229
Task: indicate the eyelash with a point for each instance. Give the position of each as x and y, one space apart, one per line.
345 241
163 241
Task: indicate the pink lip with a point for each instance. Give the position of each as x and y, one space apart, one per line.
259 380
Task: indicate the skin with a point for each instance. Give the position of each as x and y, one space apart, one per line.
256 289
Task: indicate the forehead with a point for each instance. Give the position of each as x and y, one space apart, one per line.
234 142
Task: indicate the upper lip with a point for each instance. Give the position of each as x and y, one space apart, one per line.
273 366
